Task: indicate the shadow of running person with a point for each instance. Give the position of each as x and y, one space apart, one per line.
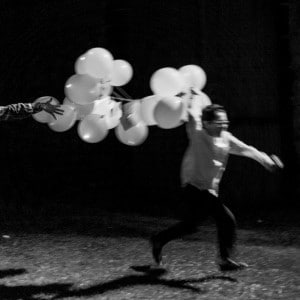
33 292
12 272
159 271
135 280
150 270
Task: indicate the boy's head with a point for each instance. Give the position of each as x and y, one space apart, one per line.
214 119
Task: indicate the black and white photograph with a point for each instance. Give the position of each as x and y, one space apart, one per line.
150 150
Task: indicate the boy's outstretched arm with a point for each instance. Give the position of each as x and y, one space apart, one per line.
271 163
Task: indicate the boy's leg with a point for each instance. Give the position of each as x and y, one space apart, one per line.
162 238
226 227
191 216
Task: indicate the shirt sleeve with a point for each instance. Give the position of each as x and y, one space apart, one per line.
193 125
17 111
238 147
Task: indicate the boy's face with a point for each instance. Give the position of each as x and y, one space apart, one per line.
220 123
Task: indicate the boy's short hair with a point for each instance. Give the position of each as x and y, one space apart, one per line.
210 111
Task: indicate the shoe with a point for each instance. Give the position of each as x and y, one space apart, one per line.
230 265
156 251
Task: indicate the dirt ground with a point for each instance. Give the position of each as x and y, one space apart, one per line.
107 258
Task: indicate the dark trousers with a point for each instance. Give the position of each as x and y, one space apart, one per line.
196 206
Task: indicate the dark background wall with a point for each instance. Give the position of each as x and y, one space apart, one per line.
294 41
242 46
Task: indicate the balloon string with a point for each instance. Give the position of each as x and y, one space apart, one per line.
119 95
121 99
123 92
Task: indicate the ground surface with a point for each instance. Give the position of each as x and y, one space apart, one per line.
97 258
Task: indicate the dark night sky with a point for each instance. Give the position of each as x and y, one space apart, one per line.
239 44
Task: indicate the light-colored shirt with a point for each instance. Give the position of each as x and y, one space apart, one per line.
206 157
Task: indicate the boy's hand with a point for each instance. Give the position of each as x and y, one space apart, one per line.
279 164
273 163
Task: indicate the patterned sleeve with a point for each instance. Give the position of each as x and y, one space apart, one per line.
17 111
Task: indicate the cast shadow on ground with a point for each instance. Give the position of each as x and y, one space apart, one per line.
11 272
32 292
145 279
59 291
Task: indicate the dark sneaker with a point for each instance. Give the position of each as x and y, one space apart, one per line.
230 265
156 251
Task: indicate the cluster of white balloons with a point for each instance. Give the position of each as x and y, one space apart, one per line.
176 92
88 100
87 96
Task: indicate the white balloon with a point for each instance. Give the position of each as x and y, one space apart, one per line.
168 111
131 114
42 116
194 76
121 72
147 109
82 110
134 108
82 89
166 82
198 103
80 65
66 121
134 136
69 102
98 63
92 129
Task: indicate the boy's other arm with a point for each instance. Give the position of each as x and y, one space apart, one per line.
238 147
